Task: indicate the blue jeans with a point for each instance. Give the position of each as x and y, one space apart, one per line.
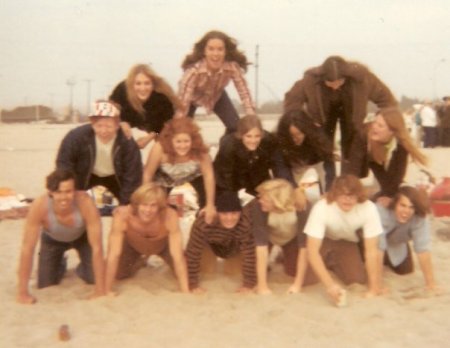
225 110
52 264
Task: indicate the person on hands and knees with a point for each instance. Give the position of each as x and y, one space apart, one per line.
147 226
228 237
278 218
406 220
333 234
62 219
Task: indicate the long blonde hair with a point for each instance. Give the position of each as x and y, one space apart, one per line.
280 192
394 120
159 85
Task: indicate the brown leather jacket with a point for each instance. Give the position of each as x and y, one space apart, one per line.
365 86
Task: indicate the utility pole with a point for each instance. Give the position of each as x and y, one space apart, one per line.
71 83
256 75
88 96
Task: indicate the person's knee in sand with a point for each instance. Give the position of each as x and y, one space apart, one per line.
63 219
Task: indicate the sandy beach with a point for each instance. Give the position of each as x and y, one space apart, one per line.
150 312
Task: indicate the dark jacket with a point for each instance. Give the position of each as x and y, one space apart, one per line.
306 94
158 110
77 153
360 87
235 167
391 178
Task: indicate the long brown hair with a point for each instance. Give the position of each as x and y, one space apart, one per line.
394 120
232 54
159 85
182 125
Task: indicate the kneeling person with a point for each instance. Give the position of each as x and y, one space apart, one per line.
147 226
68 219
332 242
229 235
403 221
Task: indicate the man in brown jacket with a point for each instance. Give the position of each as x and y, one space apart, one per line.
338 90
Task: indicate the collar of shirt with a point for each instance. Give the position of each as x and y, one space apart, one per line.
390 147
202 68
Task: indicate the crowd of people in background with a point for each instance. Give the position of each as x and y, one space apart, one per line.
339 236
429 123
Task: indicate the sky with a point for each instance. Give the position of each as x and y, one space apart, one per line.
46 43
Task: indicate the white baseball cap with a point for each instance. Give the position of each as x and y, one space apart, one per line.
104 108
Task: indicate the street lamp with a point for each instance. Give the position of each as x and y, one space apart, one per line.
436 65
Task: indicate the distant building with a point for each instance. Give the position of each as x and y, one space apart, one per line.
27 114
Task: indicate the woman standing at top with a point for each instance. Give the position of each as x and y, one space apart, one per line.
385 152
278 217
214 61
304 144
180 156
147 102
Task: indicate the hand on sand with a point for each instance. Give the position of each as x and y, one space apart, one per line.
371 294
435 290
244 290
198 290
112 293
384 290
96 294
294 289
337 294
263 290
26 299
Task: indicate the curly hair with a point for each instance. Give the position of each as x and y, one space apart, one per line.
182 125
232 54
313 136
346 185
159 85
394 120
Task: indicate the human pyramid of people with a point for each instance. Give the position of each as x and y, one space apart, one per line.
338 236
